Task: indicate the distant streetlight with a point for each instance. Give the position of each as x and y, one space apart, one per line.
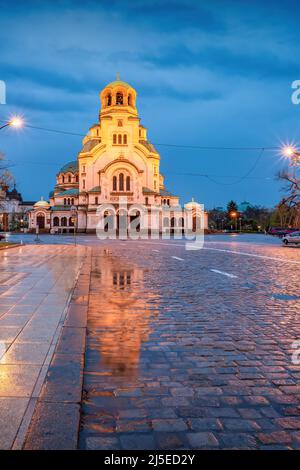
233 215
16 122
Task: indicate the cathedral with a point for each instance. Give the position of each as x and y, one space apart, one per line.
116 161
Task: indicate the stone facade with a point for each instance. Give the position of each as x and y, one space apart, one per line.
116 161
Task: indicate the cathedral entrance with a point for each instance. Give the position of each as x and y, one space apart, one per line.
40 221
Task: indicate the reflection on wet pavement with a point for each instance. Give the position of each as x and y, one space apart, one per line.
120 312
36 282
180 357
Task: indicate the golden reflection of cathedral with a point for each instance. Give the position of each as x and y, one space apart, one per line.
120 315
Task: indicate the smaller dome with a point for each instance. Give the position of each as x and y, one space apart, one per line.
192 205
42 204
71 167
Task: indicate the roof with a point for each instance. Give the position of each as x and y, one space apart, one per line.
96 189
71 167
14 194
68 192
148 191
164 192
61 208
42 203
90 144
148 146
118 83
27 203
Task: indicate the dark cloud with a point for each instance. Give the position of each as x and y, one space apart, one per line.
215 72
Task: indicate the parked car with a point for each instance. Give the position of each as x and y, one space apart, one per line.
2 236
293 237
281 232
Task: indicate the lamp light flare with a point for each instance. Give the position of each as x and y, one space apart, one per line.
289 151
16 122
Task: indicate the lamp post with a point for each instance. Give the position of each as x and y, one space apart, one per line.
233 215
15 122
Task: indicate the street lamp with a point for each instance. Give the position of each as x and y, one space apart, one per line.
16 122
291 153
233 215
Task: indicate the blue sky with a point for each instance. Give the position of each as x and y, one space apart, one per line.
215 73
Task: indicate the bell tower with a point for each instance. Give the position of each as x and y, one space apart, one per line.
118 97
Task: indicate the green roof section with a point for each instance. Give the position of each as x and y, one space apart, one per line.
96 189
71 167
61 208
68 192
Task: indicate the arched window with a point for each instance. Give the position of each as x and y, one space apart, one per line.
70 178
63 178
114 183
119 98
63 221
173 222
146 200
96 200
129 100
72 201
56 222
77 178
109 99
181 222
114 138
168 202
68 201
127 183
121 182
125 139
120 139
65 201
71 223
83 184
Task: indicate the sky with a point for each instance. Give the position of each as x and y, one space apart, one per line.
208 74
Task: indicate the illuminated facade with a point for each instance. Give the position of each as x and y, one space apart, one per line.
116 160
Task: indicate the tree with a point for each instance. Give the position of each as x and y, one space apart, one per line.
217 218
6 178
231 207
289 207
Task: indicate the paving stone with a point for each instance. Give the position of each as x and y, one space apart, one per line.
54 426
137 442
200 440
169 425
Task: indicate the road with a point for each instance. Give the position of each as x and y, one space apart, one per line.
190 349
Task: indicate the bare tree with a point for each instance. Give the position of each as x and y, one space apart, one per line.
289 206
6 178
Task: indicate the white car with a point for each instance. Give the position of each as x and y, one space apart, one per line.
293 237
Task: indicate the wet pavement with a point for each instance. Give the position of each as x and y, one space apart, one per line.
185 349
192 349
36 282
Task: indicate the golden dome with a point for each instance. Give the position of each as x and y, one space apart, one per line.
42 204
